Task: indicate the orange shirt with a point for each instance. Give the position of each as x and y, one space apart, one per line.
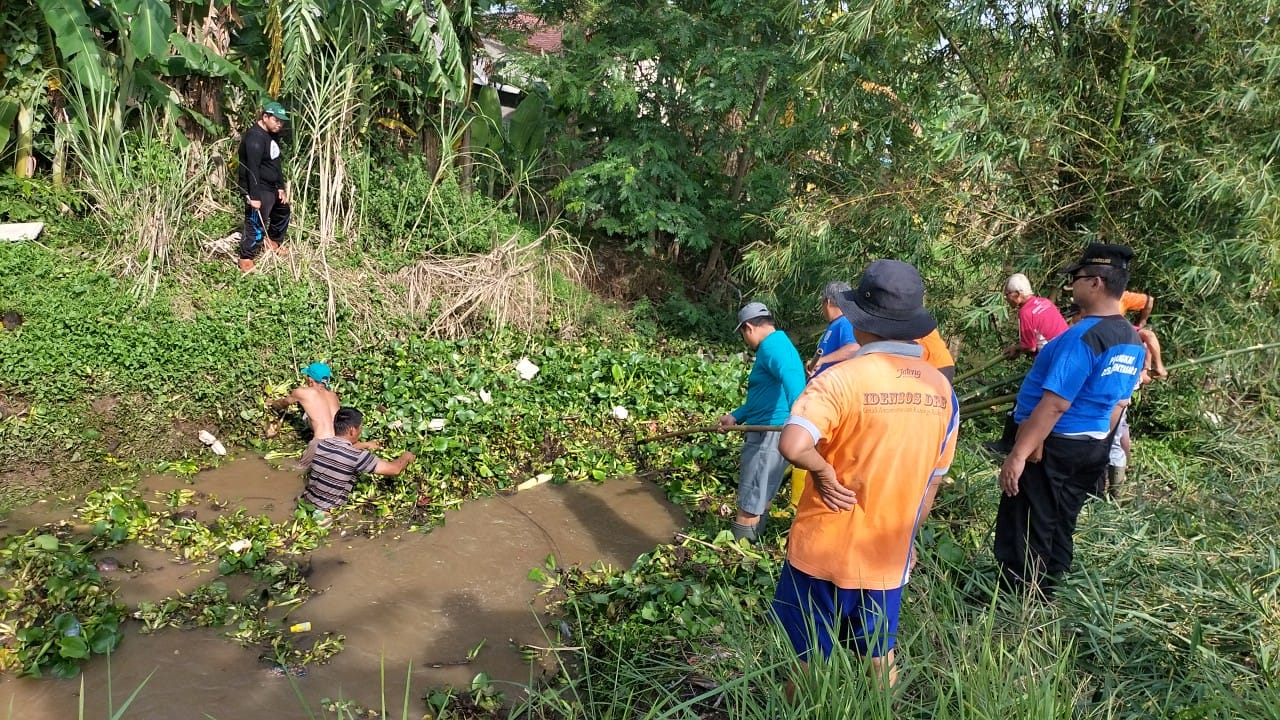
1134 301
887 424
935 350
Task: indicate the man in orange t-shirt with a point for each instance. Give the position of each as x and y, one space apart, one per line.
1143 304
875 433
937 354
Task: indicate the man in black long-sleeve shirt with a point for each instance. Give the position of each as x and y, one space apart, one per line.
266 212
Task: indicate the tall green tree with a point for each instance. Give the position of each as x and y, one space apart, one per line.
681 118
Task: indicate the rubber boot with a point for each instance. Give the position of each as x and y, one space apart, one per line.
750 532
1115 480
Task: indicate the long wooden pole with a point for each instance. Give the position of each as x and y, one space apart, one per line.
711 428
978 408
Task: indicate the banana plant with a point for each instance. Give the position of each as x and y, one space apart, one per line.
131 48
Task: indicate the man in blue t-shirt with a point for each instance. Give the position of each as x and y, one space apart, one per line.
837 343
1066 411
776 380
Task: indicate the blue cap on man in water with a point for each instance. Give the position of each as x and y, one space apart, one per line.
319 372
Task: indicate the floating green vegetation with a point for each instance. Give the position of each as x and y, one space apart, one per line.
56 610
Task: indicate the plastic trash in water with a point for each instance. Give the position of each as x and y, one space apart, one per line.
526 369
73 630
300 627
208 439
436 424
535 481
239 546
485 396
621 413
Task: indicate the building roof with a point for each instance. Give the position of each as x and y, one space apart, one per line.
540 37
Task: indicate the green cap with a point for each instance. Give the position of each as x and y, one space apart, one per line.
276 109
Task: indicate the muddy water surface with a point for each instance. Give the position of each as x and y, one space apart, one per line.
408 600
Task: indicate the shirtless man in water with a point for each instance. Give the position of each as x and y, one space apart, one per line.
319 405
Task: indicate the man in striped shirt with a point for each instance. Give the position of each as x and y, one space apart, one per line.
338 462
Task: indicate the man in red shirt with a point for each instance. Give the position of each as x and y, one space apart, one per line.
1039 320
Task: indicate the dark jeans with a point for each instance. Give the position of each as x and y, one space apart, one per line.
1034 528
275 213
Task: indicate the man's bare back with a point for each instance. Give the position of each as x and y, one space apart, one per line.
319 404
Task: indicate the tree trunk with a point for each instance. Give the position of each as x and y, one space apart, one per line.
715 257
60 147
25 165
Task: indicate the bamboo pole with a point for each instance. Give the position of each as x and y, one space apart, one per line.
986 407
1221 355
980 404
983 412
711 428
987 365
973 394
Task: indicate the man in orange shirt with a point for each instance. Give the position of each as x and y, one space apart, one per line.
937 354
1143 304
876 433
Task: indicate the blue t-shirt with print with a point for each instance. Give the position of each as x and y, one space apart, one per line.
839 333
1095 364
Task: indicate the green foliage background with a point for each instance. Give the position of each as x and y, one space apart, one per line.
732 150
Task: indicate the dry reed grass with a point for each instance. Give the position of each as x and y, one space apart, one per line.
512 286
508 286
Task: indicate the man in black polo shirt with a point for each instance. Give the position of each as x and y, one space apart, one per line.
1066 411
337 462
266 209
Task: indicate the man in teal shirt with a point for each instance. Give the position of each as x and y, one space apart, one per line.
776 380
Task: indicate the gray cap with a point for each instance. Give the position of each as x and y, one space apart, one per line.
751 311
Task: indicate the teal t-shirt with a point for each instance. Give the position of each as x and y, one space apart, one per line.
776 380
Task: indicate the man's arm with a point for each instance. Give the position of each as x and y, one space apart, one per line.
1031 435
790 377
395 467
283 403
1145 314
254 150
844 353
798 447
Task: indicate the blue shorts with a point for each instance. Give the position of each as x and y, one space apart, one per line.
808 608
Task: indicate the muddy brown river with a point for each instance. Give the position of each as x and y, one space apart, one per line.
406 603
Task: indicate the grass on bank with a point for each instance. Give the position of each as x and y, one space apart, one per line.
1171 613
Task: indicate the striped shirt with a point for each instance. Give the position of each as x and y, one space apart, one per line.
334 471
